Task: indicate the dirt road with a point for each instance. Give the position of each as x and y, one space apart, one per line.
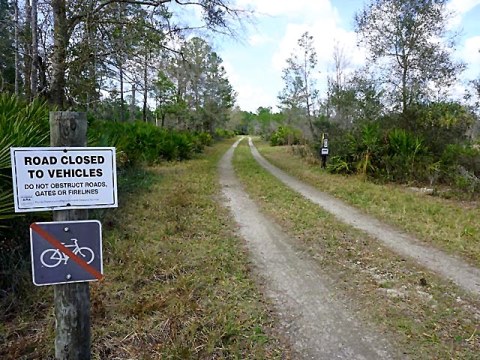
318 323
462 274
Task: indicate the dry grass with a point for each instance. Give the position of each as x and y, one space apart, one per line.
426 317
178 283
447 224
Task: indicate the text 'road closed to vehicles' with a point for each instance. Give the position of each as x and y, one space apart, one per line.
63 178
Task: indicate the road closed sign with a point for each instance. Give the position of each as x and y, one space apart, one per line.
54 178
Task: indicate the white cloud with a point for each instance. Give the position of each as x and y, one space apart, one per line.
304 8
459 9
250 96
470 51
471 55
259 39
254 97
326 33
319 17
284 21
288 44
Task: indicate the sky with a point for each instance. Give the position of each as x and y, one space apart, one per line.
254 64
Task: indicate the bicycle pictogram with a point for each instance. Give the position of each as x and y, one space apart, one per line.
53 257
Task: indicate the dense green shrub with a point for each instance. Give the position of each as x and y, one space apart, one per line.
467 156
395 155
286 135
340 165
359 152
460 166
26 125
439 124
406 157
204 138
224 134
399 155
21 125
141 142
368 149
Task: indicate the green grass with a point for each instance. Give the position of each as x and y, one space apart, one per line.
431 321
447 224
177 279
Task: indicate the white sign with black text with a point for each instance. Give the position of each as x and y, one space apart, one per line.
58 178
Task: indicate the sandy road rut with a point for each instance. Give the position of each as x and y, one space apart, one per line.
462 274
320 326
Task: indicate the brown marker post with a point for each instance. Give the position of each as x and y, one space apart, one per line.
72 301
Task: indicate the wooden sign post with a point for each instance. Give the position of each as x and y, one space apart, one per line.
72 301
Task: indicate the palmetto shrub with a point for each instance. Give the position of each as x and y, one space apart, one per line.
26 125
286 135
406 157
460 165
395 155
146 143
21 125
360 152
224 134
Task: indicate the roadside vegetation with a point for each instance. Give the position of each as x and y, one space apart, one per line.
26 124
393 120
427 317
177 279
447 224
178 283
26 329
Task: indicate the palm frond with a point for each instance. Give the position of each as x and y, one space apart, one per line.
21 125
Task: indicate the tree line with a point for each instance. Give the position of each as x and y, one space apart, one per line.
122 60
151 84
393 119
409 65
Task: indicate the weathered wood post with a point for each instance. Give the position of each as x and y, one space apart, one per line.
72 301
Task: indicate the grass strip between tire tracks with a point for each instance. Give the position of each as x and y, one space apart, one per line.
178 283
426 317
448 224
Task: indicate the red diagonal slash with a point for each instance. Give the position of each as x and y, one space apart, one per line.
57 244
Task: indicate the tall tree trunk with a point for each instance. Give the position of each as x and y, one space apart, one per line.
92 63
403 61
120 56
132 104
310 123
94 79
122 100
42 69
42 75
60 42
145 86
404 90
307 98
17 71
34 71
27 57
180 97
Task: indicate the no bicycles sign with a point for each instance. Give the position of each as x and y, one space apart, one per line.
66 252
